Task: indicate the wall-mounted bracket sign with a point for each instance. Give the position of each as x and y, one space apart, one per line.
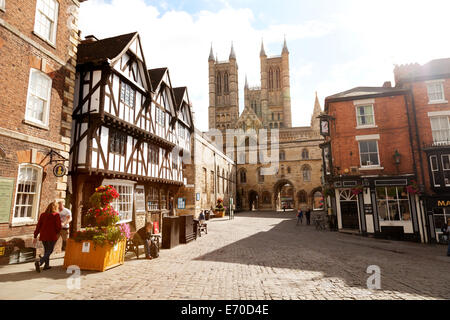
324 127
59 170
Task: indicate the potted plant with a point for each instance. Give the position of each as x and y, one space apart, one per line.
220 208
101 245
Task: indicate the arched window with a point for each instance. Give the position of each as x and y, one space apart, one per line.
260 176
289 169
305 154
270 79
282 155
318 201
302 196
219 84
306 171
243 176
226 89
278 78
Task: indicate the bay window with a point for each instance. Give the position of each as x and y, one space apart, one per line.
124 204
393 204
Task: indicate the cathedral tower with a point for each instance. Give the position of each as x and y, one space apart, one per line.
223 92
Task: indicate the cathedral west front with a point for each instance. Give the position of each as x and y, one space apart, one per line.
296 180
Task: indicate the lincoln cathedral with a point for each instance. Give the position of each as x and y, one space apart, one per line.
296 181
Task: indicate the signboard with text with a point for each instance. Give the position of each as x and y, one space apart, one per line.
6 197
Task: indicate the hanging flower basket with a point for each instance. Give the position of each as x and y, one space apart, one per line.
101 245
357 190
219 211
413 188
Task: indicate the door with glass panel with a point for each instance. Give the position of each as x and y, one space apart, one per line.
349 209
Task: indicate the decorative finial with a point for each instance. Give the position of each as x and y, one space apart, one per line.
285 48
246 82
232 53
263 52
211 54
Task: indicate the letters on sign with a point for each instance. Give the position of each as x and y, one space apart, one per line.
444 203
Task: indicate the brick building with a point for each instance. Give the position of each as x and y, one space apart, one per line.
369 162
429 107
37 72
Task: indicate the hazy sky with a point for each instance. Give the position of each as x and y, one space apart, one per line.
334 45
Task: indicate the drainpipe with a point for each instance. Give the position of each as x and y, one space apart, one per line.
422 175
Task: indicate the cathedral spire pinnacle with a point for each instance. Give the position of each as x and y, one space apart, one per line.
211 54
232 53
246 82
263 52
285 48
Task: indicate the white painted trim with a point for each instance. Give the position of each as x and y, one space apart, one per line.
368 137
439 113
362 102
372 126
362 168
51 41
46 111
35 213
2 5
435 81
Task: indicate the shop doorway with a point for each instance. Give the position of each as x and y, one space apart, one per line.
349 209
253 200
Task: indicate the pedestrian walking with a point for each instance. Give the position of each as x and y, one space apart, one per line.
66 218
300 216
48 229
308 216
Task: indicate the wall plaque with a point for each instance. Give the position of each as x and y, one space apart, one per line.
6 197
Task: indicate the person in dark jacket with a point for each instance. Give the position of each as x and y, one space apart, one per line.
145 233
308 216
300 216
48 227
447 231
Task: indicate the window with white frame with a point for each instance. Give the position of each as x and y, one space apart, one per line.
368 151
434 170
446 169
124 204
38 101
46 19
440 127
28 192
2 5
365 115
393 204
435 91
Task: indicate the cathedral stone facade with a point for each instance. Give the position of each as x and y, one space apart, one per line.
296 180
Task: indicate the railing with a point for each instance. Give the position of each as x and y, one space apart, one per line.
436 144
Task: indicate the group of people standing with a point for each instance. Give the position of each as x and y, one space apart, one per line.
302 213
53 224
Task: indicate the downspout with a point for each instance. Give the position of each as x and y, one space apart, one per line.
420 155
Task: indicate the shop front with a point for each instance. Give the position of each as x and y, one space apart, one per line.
438 213
384 208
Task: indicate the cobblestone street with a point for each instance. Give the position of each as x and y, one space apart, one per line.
255 256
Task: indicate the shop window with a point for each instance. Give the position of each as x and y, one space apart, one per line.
124 204
28 192
163 203
153 200
393 204
440 216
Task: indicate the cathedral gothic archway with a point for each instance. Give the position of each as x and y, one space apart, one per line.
284 192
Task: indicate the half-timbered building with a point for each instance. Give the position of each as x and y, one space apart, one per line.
125 131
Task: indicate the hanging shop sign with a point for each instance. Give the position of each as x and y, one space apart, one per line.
59 170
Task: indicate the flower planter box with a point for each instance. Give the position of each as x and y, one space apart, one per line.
94 258
219 214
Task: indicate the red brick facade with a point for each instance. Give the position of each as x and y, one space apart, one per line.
21 50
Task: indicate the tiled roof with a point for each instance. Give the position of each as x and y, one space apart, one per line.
102 50
364 91
156 76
